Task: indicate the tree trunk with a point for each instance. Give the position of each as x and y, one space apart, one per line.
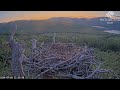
17 58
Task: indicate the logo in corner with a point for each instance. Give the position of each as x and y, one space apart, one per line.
110 14
112 17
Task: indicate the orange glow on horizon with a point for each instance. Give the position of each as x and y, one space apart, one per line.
44 18
41 15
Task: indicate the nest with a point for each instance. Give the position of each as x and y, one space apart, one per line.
65 61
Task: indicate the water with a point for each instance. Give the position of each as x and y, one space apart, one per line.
108 30
113 31
100 27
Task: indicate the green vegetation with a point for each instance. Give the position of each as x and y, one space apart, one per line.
107 46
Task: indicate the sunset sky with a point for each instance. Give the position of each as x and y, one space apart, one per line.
6 16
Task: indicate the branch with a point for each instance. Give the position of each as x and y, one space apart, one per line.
54 38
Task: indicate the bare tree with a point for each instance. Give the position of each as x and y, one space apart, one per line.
17 55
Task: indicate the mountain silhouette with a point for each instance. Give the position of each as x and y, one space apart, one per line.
58 24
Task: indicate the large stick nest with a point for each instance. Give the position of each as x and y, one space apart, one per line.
64 61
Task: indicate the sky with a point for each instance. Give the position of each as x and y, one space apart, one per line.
6 16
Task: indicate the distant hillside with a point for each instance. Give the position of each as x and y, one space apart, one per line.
57 24
4 27
89 22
